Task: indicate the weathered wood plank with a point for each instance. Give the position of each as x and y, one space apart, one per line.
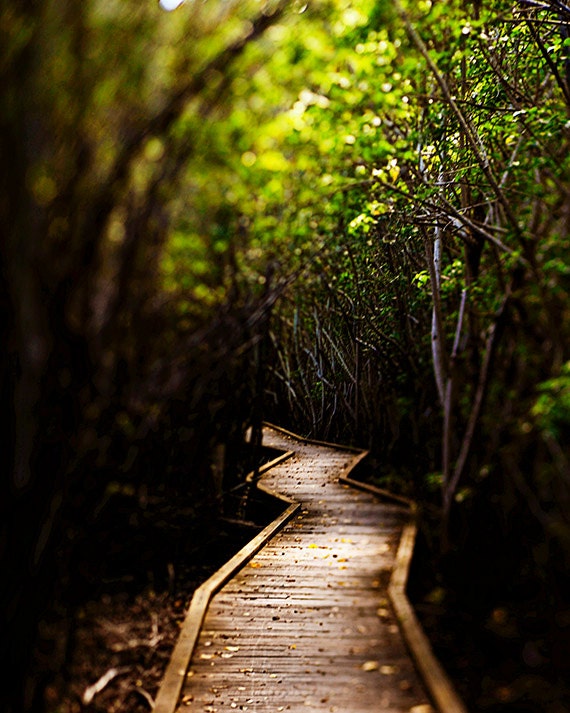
306 624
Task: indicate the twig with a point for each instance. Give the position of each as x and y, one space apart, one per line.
471 134
146 695
91 691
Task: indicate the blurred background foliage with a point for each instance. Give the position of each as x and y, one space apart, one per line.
387 181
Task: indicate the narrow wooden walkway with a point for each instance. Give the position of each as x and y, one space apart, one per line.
307 625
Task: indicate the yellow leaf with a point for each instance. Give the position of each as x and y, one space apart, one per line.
273 161
370 666
388 670
248 159
394 172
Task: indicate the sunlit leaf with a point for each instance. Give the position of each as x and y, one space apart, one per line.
370 666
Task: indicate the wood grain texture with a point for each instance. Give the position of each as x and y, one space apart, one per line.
175 674
307 624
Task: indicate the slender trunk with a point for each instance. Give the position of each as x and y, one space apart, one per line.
437 344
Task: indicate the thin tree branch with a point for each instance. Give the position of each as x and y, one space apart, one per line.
471 135
482 385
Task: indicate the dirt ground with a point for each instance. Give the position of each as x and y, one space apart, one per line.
121 648
121 638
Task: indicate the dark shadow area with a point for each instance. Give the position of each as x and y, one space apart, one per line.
133 578
493 622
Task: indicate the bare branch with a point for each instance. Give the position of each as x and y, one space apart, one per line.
473 138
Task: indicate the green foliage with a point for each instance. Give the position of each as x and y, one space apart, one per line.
551 409
374 148
405 165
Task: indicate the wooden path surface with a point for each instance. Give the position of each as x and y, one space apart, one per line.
307 625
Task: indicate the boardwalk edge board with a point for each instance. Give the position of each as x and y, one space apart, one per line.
437 682
440 688
173 679
398 500
312 441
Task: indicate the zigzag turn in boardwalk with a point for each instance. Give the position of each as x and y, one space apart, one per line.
307 625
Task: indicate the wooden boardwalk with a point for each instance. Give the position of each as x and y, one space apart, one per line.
307 624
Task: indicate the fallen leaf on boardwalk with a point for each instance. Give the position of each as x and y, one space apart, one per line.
382 613
388 670
370 666
207 656
384 547
255 564
424 708
232 648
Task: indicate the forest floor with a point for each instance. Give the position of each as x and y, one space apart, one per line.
122 635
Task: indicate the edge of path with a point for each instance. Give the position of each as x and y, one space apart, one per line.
439 686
